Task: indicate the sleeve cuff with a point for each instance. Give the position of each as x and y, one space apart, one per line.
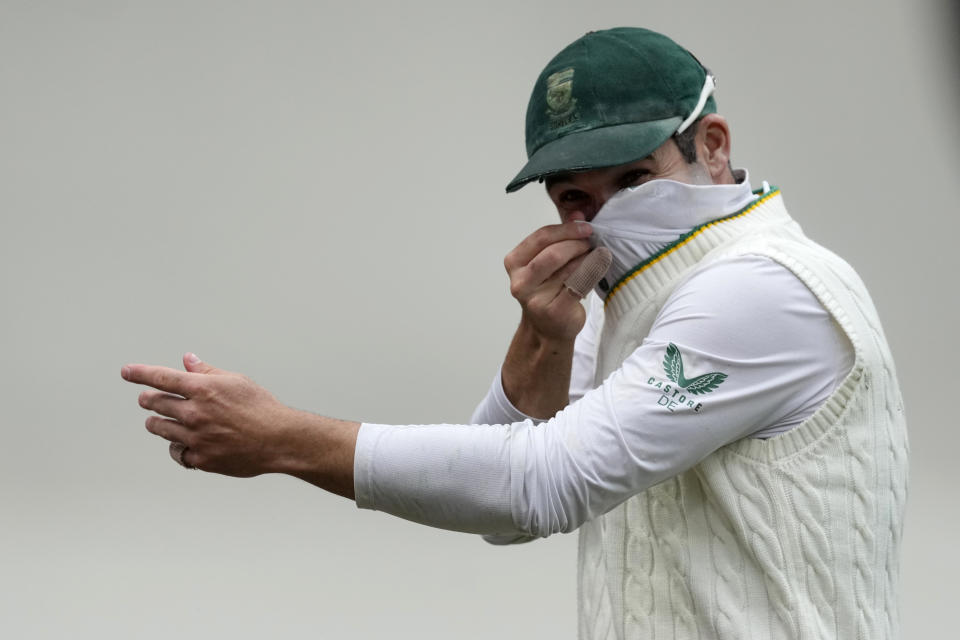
496 408
363 487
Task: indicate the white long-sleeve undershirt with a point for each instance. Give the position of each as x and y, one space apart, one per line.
747 317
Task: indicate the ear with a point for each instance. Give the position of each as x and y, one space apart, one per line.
713 145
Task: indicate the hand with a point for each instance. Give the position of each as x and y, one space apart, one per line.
538 267
229 424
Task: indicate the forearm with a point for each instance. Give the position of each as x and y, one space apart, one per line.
536 372
317 449
455 477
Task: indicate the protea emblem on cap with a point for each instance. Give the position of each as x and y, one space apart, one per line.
561 105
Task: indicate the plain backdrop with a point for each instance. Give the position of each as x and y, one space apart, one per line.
311 193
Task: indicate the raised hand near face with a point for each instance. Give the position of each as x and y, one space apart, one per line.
538 268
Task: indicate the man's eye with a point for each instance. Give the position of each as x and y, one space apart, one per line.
633 178
572 196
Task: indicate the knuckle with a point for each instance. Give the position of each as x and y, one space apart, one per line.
189 416
560 231
157 426
199 458
214 390
569 248
206 388
547 231
520 287
568 270
541 236
195 389
544 261
536 306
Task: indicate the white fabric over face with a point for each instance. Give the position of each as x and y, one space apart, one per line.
639 221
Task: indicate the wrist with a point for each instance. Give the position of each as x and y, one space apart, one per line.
285 453
317 449
536 372
540 342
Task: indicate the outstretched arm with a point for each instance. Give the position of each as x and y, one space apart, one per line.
232 426
636 429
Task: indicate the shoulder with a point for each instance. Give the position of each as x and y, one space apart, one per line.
744 276
749 288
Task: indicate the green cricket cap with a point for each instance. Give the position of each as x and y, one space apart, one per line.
610 98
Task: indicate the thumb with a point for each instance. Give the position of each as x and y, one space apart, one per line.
193 364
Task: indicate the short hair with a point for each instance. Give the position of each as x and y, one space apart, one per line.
686 142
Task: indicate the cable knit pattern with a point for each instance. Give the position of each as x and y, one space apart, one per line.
758 503
728 585
669 533
863 523
638 581
595 610
810 510
797 536
896 452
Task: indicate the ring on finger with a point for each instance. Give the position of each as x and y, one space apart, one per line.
177 451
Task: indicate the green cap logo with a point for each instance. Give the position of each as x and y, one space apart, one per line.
673 367
561 104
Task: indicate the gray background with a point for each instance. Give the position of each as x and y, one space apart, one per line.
312 194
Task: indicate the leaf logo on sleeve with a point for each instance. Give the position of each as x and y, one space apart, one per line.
673 367
677 396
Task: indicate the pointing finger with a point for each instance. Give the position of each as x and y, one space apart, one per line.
163 378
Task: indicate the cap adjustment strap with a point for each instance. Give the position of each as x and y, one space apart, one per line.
709 86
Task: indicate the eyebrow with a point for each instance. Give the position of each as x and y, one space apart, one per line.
552 179
549 181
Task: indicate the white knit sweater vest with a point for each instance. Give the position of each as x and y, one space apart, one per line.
797 536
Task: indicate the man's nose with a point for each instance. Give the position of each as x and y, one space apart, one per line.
599 199
592 205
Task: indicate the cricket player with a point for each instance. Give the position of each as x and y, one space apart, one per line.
699 389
